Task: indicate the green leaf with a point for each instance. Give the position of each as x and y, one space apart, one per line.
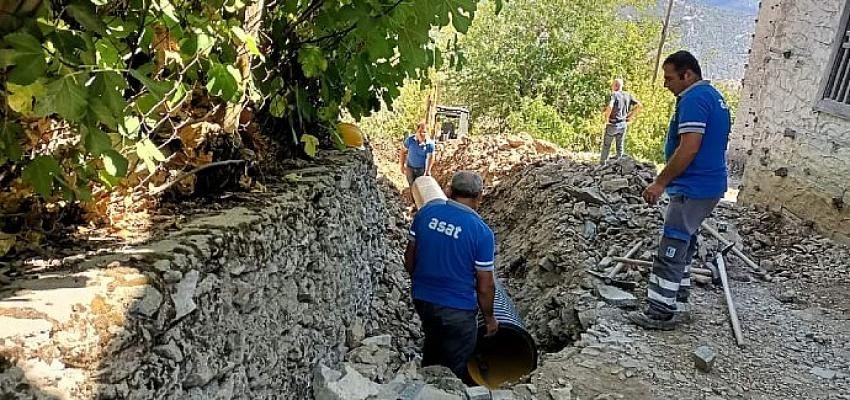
84 13
119 29
312 60
311 144
115 164
7 57
248 40
69 99
106 100
278 106
233 6
83 193
336 138
147 151
23 42
29 58
99 113
179 93
40 173
95 141
21 98
107 179
157 88
146 103
378 46
131 126
223 81
106 54
10 141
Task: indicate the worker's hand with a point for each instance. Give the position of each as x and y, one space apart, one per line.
653 192
630 119
427 173
492 326
403 169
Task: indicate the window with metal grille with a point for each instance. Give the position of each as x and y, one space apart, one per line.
835 93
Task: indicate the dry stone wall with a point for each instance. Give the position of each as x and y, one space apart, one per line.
795 158
238 304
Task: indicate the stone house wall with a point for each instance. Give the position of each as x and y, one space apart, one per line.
794 158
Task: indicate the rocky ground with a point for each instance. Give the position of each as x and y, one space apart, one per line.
554 217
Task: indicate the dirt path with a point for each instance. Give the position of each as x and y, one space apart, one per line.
793 351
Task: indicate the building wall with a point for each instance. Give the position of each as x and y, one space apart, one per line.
794 158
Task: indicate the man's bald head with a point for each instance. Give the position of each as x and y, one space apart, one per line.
617 84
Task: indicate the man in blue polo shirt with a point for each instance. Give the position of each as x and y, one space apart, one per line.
450 259
416 155
695 180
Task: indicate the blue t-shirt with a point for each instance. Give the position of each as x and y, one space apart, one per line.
701 109
417 153
452 243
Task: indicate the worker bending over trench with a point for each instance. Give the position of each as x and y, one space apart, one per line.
450 259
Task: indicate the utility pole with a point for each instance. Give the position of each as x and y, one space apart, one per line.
664 30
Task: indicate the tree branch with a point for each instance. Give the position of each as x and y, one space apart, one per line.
164 187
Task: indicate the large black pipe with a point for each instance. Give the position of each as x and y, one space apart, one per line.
507 356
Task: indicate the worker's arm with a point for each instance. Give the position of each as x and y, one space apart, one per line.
410 258
485 284
689 144
429 159
486 288
402 159
634 112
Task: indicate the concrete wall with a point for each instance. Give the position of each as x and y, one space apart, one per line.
238 304
795 158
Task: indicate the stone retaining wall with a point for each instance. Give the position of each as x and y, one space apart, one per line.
235 304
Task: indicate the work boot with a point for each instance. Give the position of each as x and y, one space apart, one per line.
653 321
683 312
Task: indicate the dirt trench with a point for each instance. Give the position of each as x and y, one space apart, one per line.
556 217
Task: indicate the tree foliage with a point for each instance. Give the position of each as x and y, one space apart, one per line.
115 77
546 67
100 96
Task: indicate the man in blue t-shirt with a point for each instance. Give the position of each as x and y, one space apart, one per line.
417 154
695 180
450 259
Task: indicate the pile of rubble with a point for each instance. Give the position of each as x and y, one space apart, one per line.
493 156
554 220
788 249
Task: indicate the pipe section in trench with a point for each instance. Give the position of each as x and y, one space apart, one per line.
508 355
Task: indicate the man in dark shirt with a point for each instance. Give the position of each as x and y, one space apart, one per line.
621 110
450 257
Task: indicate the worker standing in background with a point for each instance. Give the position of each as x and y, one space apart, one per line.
450 259
695 180
621 110
417 154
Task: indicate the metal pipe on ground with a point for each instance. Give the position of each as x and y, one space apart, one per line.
508 355
727 291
